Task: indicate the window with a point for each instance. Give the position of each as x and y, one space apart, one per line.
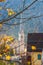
39 56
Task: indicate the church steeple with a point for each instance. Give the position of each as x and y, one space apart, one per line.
21 25
21 36
21 31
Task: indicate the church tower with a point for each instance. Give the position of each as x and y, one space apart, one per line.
21 37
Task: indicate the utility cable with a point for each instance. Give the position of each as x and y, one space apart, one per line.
27 19
18 12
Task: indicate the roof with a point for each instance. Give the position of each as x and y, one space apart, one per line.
35 39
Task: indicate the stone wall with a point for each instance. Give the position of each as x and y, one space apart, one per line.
34 58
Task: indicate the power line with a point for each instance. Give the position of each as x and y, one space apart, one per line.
32 17
18 12
5 4
23 21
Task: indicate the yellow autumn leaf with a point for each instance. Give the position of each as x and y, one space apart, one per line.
8 57
10 12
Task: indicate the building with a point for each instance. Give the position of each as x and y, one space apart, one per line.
34 48
21 37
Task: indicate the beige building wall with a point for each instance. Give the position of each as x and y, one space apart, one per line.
34 58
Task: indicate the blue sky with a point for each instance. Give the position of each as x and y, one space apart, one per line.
30 26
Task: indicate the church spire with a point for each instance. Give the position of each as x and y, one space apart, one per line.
21 25
21 37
